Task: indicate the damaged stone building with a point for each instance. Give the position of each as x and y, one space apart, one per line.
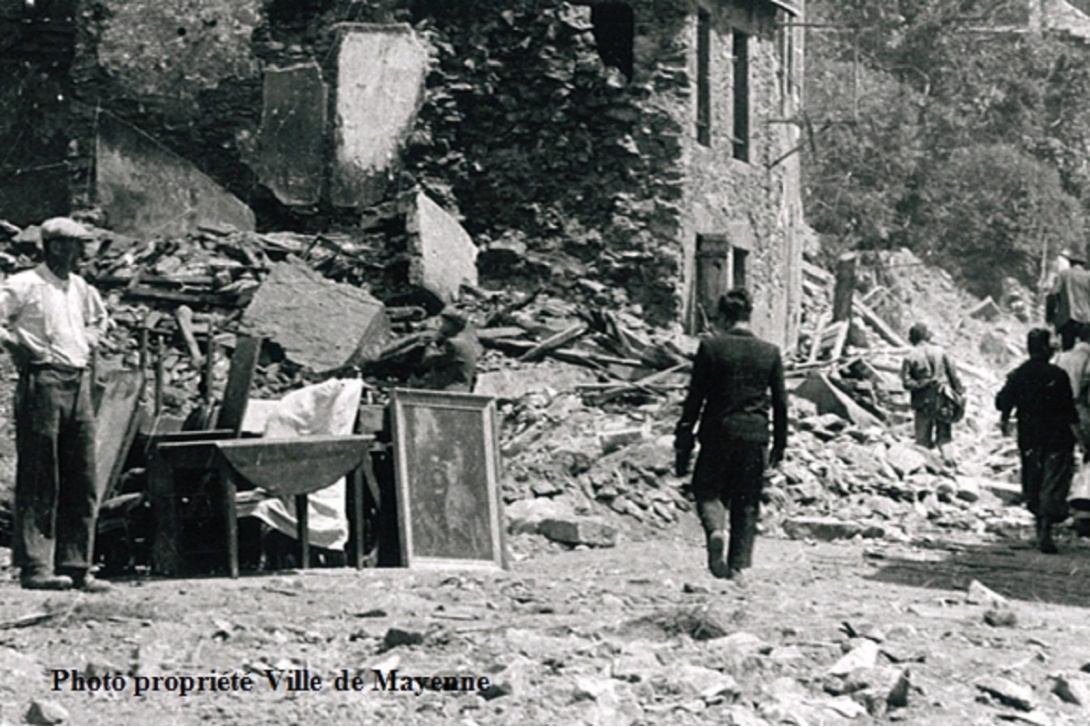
639 154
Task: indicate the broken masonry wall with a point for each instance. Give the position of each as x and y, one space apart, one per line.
536 142
548 139
755 202
35 94
185 73
380 75
142 187
213 81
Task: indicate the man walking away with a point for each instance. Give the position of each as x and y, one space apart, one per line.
1067 305
1076 362
50 322
923 371
736 379
1047 423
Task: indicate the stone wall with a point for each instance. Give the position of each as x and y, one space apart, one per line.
35 96
544 149
565 148
754 203
585 171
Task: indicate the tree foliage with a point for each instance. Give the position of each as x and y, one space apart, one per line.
946 128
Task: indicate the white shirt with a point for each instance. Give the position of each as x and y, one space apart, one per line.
1074 362
57 321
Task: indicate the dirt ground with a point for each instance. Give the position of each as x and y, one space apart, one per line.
616 636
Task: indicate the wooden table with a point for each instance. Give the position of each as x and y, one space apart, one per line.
281 467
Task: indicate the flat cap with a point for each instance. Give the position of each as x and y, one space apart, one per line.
64 228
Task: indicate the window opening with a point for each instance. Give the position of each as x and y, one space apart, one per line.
703 78
738 267
614 34
740 82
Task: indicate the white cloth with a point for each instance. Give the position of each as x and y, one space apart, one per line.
330 407
56 321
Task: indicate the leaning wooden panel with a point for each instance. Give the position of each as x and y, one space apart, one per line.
450 512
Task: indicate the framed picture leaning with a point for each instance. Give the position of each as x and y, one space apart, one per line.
446 464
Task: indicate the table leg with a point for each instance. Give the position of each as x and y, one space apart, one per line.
302 516
166 547
230 511
355 514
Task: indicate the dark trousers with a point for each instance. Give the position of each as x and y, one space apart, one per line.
1069 332
729 476
55 498
930 432
1046 479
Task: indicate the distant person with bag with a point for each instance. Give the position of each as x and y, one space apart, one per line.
737 381
936 389
1067 305
1047 426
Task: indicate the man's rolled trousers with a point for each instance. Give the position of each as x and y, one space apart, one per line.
50 322
737 378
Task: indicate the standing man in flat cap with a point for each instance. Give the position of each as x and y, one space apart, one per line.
737 379
51 320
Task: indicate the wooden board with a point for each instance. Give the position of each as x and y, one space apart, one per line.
241 376
116 422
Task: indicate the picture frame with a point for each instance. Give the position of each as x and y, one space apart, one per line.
447 472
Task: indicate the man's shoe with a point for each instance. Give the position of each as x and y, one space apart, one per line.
737 576
45 582
89 584
717 543
1045 543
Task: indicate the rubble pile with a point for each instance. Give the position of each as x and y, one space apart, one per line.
589 396
851 468
589 209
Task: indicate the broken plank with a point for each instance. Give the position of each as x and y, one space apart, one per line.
817 336
183 315
873 320
652 381
202 299
31 619
489 334
817 273
570 355
554 341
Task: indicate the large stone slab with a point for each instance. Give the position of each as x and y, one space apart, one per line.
146 190
831 400
444 254
579 531
380 86
289 156
320 324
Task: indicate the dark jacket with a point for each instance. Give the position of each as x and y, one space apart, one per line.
737 378
1041 392
453 367
924 368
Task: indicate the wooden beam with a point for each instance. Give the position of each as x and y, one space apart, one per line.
884 330
554 342
845 287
